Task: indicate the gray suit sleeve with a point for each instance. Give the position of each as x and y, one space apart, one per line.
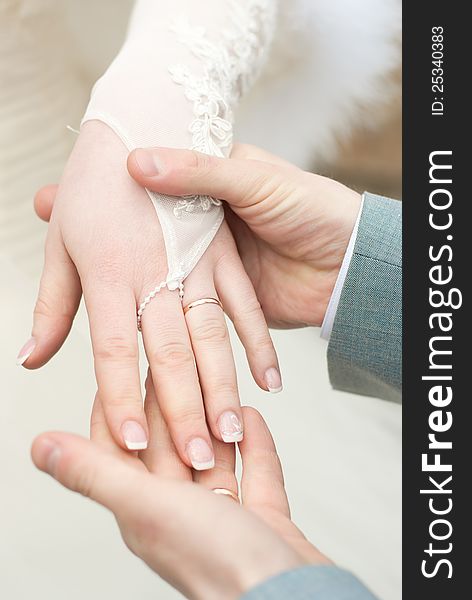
311 583
365 347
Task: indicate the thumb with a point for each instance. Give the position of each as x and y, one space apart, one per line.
87 468
44 201
244 184
57 303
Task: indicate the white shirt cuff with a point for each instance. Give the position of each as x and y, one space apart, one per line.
328 321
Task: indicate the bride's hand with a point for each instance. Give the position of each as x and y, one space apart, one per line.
204 544
104 240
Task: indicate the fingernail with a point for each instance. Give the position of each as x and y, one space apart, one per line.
273 380
52 454
26 352
134 436
230 427
146 162
200 454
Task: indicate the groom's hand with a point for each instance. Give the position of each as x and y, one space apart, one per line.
204 544
292 227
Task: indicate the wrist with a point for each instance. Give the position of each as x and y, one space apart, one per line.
274 563
245 569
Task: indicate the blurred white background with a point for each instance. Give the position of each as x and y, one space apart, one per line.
341 453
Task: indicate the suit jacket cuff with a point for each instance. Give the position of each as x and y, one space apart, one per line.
364 352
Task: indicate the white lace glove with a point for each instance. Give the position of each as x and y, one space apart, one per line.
175 82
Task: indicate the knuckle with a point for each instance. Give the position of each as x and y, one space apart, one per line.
222 387
127 398
84 480
257 187
263 344
269 463
172 354
57 305
252 319
108 270
268 194
200 161
248 311
223 477
186 416
116 349
43 307
211 330
97 423
224 466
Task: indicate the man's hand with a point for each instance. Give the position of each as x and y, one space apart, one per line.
291 227
204 544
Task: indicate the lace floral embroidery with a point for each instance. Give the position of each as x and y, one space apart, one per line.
229 67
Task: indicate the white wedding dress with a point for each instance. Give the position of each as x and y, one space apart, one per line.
321 67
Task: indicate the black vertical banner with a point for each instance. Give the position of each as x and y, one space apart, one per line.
437 253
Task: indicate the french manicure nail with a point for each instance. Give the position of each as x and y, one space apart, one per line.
230 427
26 352
273 380
134 436
200 454
146 163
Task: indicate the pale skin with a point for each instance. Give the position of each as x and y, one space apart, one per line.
292 229
289 225
104 241
150 494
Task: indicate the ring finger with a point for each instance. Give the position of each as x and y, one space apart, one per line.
215 362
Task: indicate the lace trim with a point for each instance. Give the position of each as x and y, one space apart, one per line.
230 65
191 203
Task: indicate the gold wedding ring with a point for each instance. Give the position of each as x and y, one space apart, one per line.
225 492
202 301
